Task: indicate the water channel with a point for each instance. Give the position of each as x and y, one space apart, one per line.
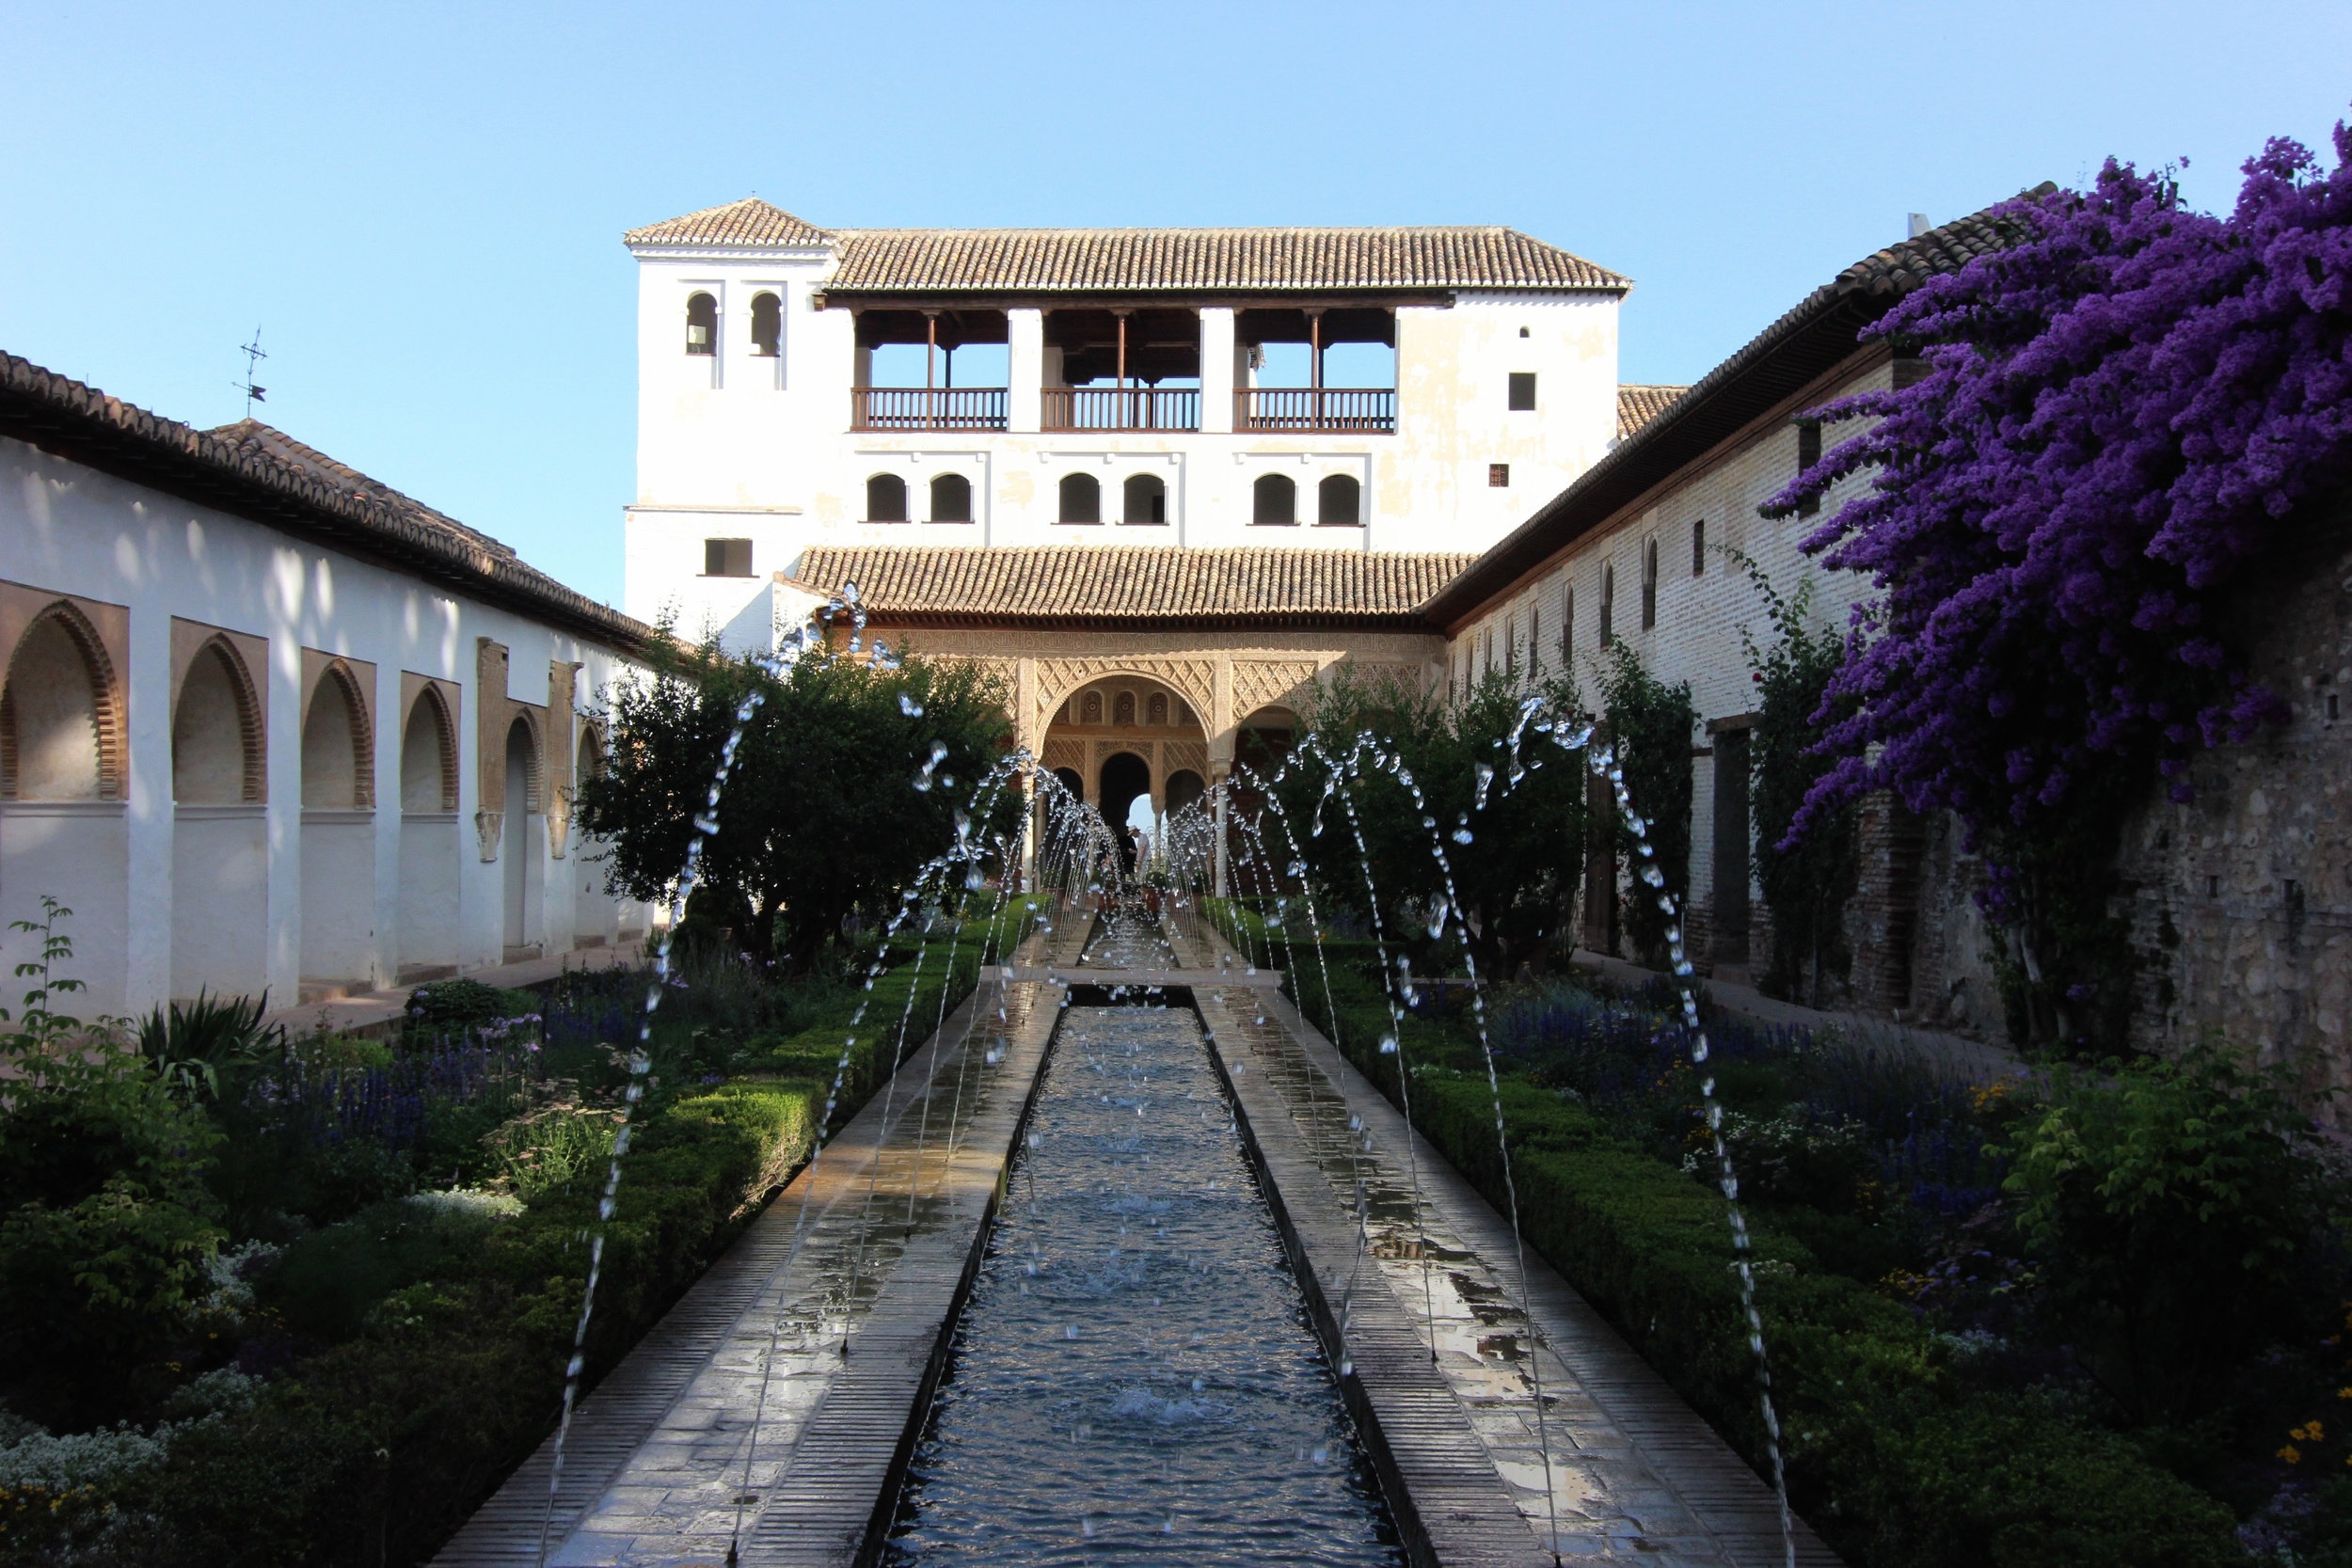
1135 1376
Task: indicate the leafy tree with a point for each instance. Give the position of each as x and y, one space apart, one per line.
2170 1209
1515 878
822 812
1808 876
2122 405
1651 723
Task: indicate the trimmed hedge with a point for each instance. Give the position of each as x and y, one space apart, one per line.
1887 1456
376 1450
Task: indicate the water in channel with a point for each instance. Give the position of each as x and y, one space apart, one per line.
1135 1376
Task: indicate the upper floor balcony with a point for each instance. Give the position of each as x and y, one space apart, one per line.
1150 369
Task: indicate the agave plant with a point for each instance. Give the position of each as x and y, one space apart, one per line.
192 1044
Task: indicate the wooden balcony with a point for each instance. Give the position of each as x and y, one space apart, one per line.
1365 410
926 408
1122 408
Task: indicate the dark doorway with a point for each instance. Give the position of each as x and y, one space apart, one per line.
1125 776
1184 786
1731 848
1071 782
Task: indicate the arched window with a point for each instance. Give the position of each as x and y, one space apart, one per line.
1081 499
1183 787
335 770
55 714
767 325
1124 708
1649 585
1273 500
1608 604
951 499
1339 502
428 756
1090 708
1146 499
1155 711
885 499
216 732
702 324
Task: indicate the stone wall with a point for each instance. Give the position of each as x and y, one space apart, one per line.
2240 900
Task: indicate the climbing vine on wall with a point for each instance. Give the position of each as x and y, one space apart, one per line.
1807 878
1651 723
2119 408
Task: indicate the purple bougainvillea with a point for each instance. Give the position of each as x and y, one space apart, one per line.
2119 409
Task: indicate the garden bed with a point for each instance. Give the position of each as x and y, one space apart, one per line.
1944 1399
345 1283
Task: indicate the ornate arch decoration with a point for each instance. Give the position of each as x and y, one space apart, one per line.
445 727
253 733
1193 679
107 702
355 695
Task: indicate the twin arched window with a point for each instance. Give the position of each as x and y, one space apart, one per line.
885 499
702 324
1081 499
1146 497
1274 501
1339 502
951 499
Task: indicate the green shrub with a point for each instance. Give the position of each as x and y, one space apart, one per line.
105 1225
2169 1208
326 1284
453 1009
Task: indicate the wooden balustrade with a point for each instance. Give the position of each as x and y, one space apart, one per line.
926 408
1366 409
1122 407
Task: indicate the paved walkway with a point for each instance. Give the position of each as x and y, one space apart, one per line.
370 1009
826 1325
1981 1060
1401 1237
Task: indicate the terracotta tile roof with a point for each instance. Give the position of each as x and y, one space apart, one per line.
250 471
1131 583
1638 404
1063 261
748 222
254 436
1811 338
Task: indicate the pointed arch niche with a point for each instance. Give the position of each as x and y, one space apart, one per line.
340 950
431 841
219 800
64 776
595 914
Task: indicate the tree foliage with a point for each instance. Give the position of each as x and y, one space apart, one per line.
2120 407
822 814
1515 878
1651 723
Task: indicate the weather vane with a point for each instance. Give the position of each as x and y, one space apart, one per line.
252 388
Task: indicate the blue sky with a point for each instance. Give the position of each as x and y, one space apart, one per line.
421 205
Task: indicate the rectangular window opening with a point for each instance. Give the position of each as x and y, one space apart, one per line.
1498 476
1809 453
1523 391
727 558
1698 548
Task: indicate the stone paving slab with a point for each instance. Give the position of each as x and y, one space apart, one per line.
831 1312
1634 1471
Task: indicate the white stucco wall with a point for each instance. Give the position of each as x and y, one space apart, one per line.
734 446
168 897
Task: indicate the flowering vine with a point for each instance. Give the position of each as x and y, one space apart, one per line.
2119 407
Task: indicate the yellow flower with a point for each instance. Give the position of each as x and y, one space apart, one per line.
2344 1393
2309 1434
2292 1455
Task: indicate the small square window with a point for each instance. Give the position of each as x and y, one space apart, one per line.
1523 332
1498 476
1523 391
727 558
